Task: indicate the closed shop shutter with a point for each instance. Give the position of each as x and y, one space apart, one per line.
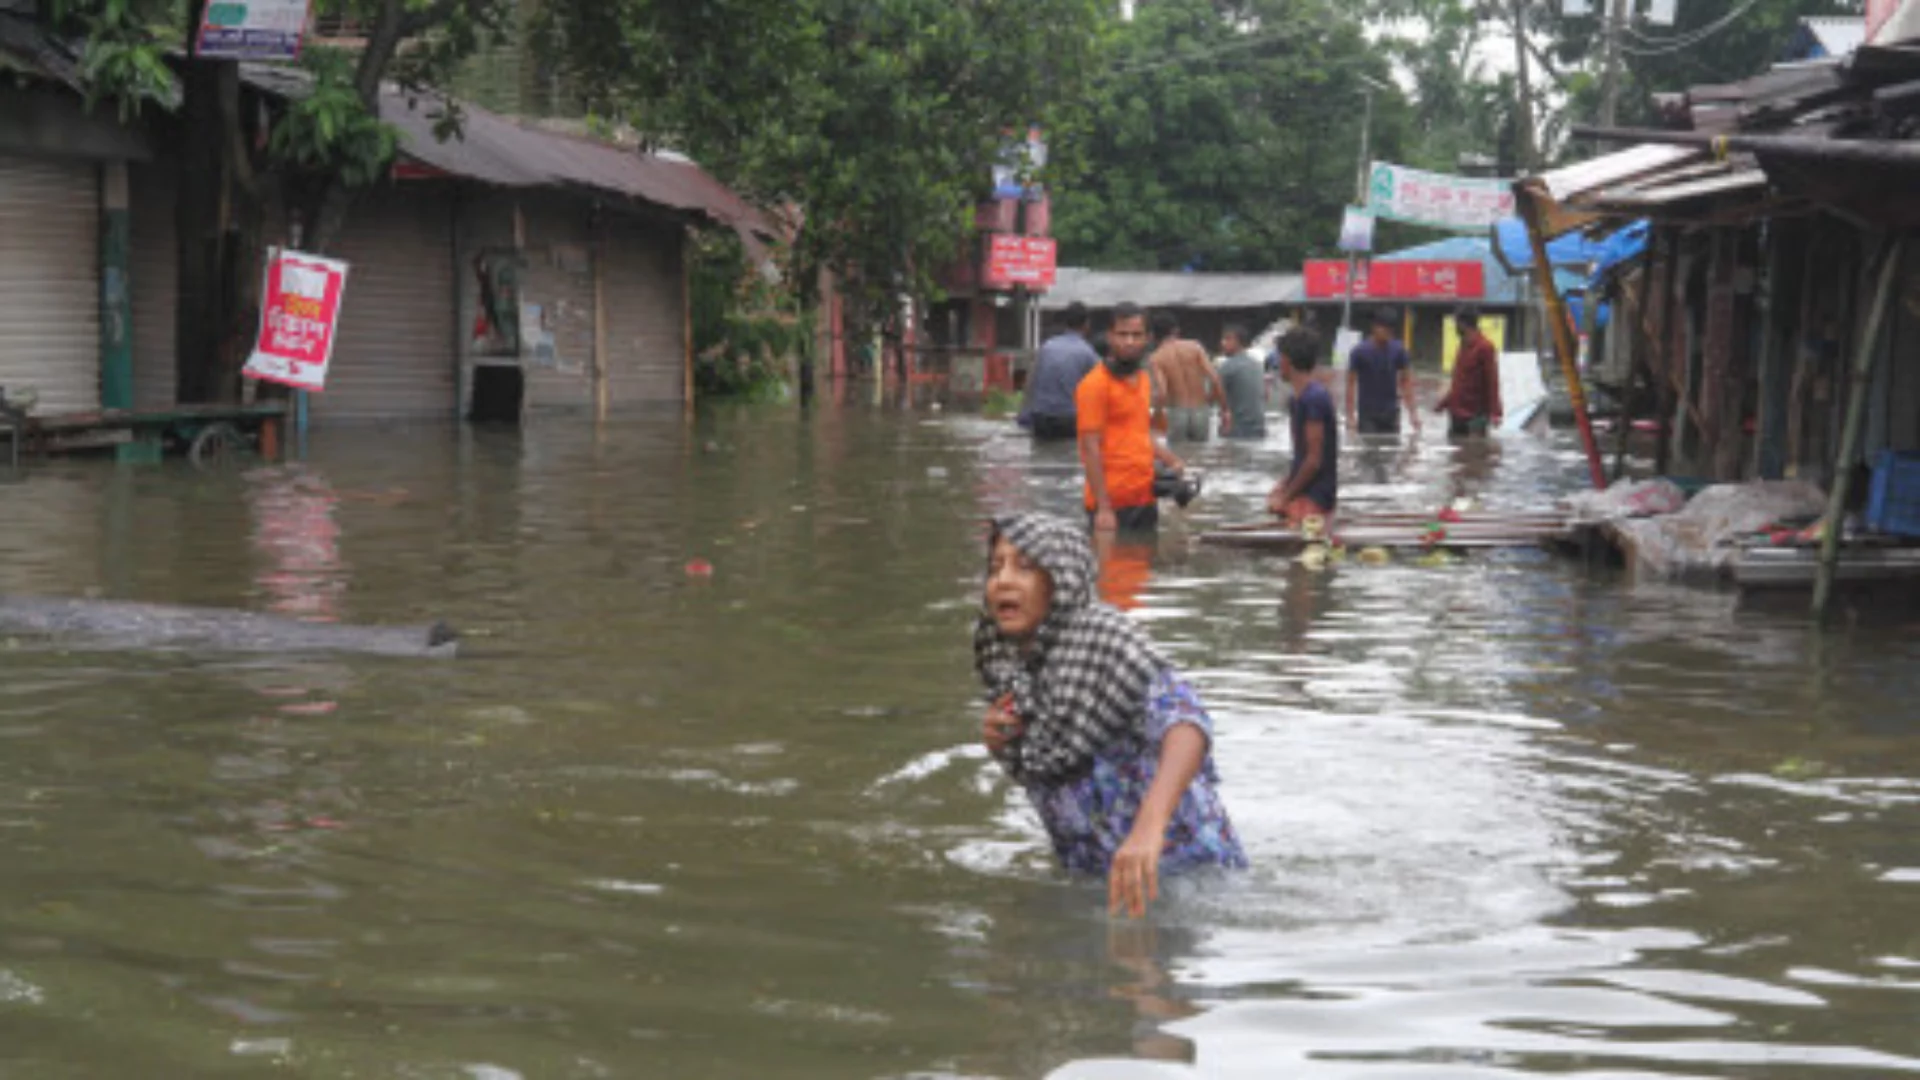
49 283
559 279
154 272
394 357
646 314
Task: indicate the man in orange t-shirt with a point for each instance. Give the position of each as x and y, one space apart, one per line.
1115 408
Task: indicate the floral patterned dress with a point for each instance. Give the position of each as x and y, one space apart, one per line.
1089 818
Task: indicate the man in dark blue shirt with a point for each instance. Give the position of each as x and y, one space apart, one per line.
1380 380
1312 486
1065 359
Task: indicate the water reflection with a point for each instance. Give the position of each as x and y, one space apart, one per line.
298 540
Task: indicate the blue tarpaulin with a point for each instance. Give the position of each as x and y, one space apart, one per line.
1623 246
1515 250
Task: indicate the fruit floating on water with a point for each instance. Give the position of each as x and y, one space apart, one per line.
1314 557
1435 559
1375 556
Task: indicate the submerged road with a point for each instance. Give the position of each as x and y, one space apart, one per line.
1508 818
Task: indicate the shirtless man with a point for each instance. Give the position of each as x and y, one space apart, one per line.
1186 383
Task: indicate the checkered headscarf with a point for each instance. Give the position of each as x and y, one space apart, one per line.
1083 681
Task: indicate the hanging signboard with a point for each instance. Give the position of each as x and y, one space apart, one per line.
1411 280
299 312
1014 261
1019 159
1463 203
1356 230
251 30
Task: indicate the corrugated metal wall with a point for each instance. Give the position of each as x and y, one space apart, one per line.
154 270
395 355
49 282
646 313
559 278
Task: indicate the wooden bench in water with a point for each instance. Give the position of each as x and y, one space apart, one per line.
206 431
1407 530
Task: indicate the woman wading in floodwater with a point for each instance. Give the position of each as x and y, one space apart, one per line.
1110 742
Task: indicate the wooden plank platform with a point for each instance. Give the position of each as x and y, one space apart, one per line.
1405 531
180 414
1795 568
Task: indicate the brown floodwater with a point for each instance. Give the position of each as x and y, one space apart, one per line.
1511 817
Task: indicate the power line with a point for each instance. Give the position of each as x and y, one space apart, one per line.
1668 46
1291 33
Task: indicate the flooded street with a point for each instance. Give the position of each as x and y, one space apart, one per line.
1508 818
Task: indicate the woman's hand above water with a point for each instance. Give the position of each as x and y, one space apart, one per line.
1001 727
1134 881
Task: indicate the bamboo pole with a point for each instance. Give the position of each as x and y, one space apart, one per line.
1891 257
1529 195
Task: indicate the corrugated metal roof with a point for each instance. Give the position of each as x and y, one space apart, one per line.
1636 161
1502 288
1104 288
29 50
495 149
499 150
1666 194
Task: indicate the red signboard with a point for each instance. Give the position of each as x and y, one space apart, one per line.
1020 260
299 312
1413 280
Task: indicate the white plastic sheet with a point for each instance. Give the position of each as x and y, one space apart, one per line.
1701 539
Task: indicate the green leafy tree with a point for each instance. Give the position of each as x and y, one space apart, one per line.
1223 137
879 120
1459 104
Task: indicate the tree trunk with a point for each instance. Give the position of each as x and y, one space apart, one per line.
202 320
325 215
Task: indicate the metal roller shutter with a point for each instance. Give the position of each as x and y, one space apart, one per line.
394 358
49 283
154 272
646 314
559 278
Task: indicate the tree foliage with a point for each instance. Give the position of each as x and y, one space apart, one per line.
1459 102
1223 137
878 119
1708 43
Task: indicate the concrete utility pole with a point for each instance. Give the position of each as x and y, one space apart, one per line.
1610 79
1359 194
1523 82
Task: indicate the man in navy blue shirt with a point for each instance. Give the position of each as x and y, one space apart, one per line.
1049 410
1312 486
1380 380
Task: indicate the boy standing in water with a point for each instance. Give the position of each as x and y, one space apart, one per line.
1191 386
1380 380
1312 486
1245 381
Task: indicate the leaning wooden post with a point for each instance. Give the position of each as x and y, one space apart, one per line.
1863 364
1529 195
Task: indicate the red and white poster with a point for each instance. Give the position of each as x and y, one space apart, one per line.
1013 261
299 312
1410 280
